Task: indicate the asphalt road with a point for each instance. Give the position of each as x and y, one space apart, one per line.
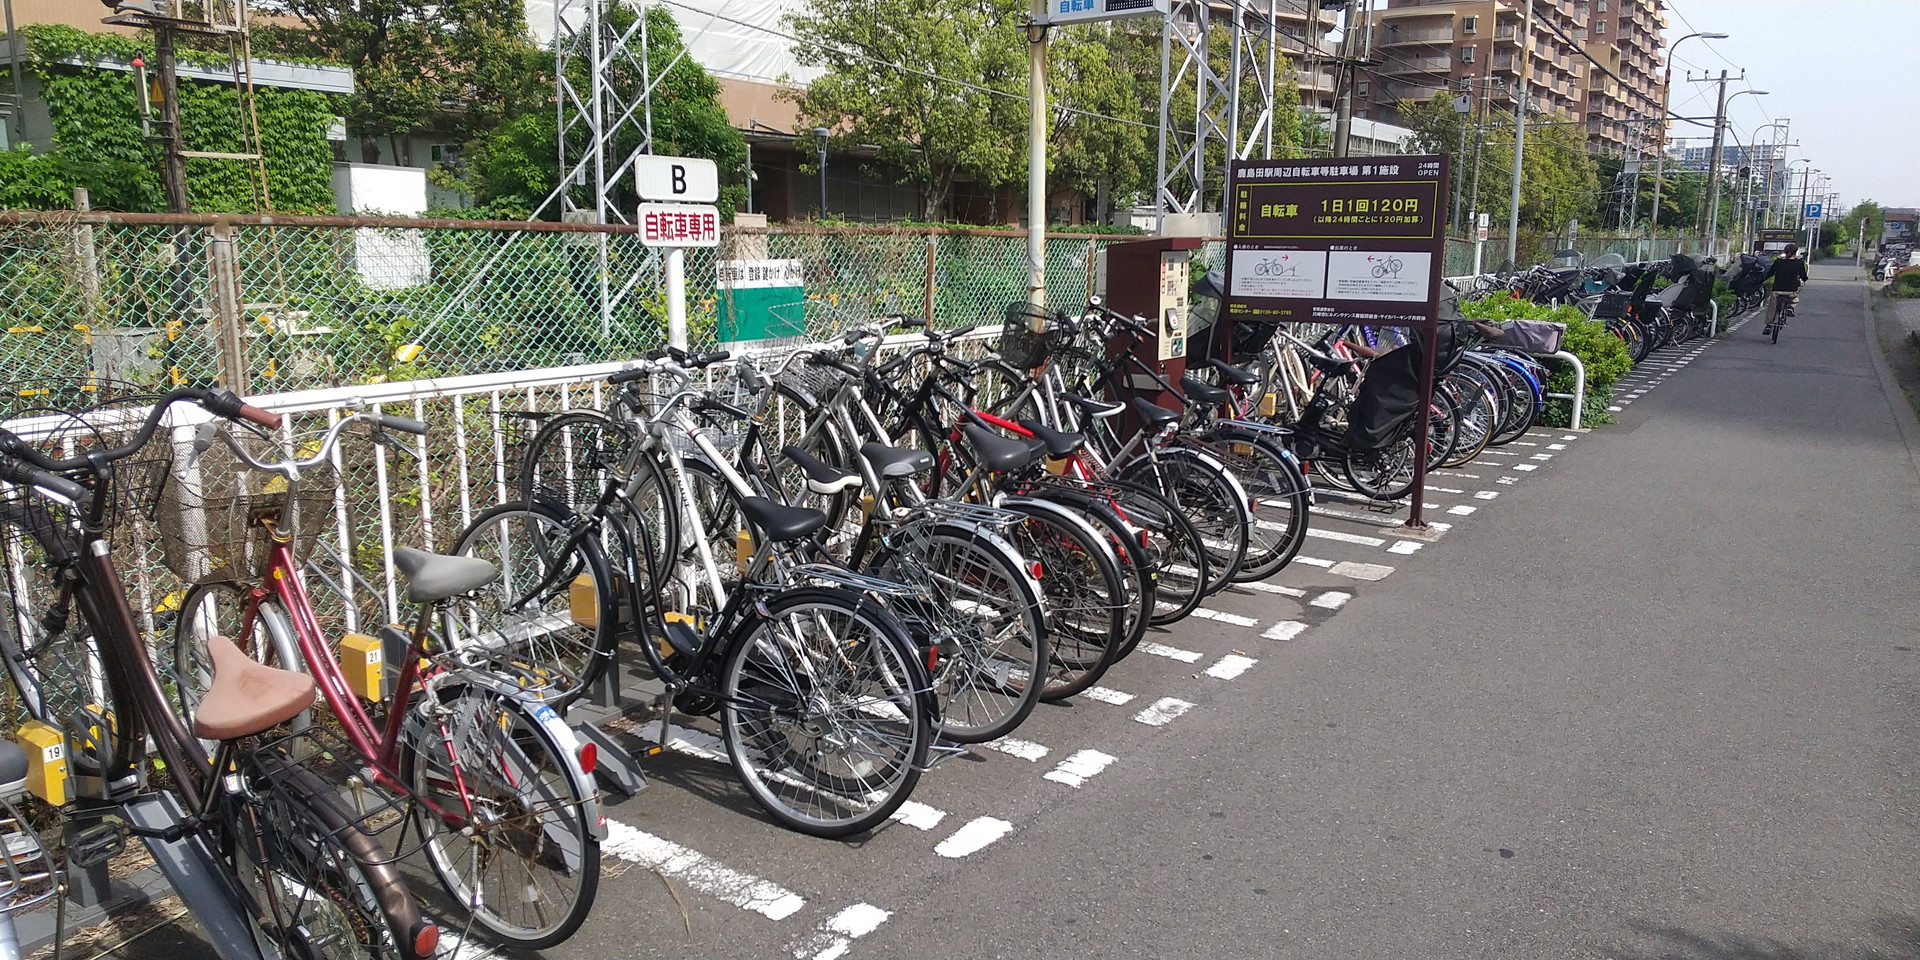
1651 696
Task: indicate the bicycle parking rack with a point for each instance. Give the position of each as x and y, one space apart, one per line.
1579 394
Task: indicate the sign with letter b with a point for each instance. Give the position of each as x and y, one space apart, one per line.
677 179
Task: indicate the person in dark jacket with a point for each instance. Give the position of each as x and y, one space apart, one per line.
1786 275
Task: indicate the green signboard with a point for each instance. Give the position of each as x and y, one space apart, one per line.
760 299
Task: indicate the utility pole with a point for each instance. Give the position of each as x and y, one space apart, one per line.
1806 180
14 56
1713 167
1462 111
173 161
1037 159
1666 86
1343 107
1519 137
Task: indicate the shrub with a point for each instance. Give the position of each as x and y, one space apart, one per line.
1906 284
1603 354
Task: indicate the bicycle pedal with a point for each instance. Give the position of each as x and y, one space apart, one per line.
681 636
96 844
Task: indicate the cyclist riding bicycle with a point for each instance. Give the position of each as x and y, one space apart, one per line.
1787 274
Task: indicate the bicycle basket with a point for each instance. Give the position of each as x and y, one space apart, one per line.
64 417
1024 339
210 526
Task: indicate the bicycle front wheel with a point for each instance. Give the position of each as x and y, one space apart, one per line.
1203 490
510 841
317 884
1277 495
826 711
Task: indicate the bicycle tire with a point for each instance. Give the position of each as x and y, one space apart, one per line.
1524 401
1179 558
825 791
1137 573
348 901
568 459
54 659
791 414
493 753
1081 592
546 630
1202 488
1003 648
1387 475
1475 421
1277 497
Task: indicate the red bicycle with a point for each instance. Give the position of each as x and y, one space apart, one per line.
500 789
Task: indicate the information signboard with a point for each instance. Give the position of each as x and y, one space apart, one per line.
1336 240
679 225
760 299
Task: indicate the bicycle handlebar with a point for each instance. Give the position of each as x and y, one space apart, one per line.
221 403
25 475
376 420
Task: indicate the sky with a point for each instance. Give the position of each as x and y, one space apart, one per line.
1847 73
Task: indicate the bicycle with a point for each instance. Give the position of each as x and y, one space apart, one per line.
825 704
1783 307
499 788
265 853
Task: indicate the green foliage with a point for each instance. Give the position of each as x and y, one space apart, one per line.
415 62
1560 181
99 143
1905 285
928 132
512 166
1604 355
1872 213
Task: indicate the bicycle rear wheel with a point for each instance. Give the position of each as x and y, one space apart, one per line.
553 611
1202 489
1081 592
510 842
1180 562
1277 497
825 711
983 614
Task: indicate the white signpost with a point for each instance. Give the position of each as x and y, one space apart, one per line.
680 214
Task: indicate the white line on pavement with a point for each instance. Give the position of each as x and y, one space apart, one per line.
701 872
1012 747
1361 539
1163 711
974 837
918 815
1332 600
1230 666
1526 466
1171 653
1228 618
1284 630
1462 510
1079 768
1486 495
1107 695
1405 547
830 940
1273 588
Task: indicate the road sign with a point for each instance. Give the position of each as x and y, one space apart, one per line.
679 225
1810 223
1083 11
1480 227
677 179
1812 212
1336 240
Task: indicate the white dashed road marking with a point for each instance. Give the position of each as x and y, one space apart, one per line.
830 940
1227 618
1332 600
1171 653
1230 666
1163 711
701 872
1079 768
1106 695
976 836
1024 749
1284 630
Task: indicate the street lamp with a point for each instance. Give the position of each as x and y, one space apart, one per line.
1766 189
1666 88
820 137
1713 171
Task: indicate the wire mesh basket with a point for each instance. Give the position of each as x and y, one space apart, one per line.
1025 341
215 523
63 418
320 760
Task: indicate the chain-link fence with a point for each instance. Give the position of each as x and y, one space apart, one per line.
273 306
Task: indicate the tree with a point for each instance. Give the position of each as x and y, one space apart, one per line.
1871 212
413 61
927 131
1100 137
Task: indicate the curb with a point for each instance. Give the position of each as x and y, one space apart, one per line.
1903 416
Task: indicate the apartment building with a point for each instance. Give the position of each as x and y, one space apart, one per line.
1424 47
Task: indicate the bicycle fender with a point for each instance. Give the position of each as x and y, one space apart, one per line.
549 720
